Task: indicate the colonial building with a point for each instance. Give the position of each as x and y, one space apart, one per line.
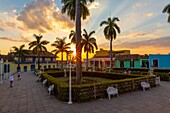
7 63
29 62
159 60
132 61
102 58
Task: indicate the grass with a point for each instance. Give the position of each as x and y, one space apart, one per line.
85 80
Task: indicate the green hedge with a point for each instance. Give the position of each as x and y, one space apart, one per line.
87 92
163 76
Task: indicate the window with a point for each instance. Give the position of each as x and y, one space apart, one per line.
122 64
33 59
43 59
131 63
155 63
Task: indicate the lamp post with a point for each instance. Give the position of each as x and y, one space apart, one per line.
47 65
70 97
6 75
35 64
1 70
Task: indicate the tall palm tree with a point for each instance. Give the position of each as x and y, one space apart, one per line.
72 36
61 46
167 10
38 46
77 9
20 53
88 42
110 33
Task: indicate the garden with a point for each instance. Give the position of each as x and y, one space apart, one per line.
94 84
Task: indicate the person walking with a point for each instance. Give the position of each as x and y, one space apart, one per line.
19 76
11 80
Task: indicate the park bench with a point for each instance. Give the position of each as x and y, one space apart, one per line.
112 91
145 85
50 89
157 80
44 82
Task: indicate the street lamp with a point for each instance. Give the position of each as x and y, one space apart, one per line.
70 97
6 75
1 70
47 65
35 65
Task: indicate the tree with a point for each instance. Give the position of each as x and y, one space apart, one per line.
72 36
110 33
167 10
77 9
89 43
20 53
38 46
61 46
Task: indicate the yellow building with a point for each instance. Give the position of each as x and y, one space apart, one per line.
7 63
29 62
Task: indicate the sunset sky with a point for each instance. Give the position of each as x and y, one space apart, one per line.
144 28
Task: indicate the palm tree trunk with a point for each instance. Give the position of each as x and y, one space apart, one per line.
111 53
61 60
87 61
38 60
78 43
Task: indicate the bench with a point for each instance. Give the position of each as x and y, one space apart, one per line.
145 85
50 89
44 82
112 91
157 80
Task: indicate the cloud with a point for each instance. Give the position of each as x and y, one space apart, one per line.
23 38
133 35
43 16
7 24
150 14
93 5
162 42
140 5
14 11
1 29
158 42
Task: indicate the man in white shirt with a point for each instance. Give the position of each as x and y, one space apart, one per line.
11 79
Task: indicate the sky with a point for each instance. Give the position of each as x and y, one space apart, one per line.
144 28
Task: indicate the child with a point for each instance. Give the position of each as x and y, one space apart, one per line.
11 79
19 76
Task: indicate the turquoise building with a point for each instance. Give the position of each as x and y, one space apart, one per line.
132 61
159 60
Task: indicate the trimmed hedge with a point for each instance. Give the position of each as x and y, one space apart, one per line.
163 76
87 92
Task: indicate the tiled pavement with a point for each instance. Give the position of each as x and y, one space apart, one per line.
28 96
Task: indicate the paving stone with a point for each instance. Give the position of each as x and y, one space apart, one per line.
28 96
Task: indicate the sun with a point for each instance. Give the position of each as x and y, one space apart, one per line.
74 50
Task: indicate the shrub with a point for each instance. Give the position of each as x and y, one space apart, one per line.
87 92
163 76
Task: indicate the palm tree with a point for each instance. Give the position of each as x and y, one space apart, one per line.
38 46
77 9
20 53
72 36
110 33
70 8
167 10
61 46
88 42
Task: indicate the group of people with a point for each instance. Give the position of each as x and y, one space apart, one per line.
11 78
